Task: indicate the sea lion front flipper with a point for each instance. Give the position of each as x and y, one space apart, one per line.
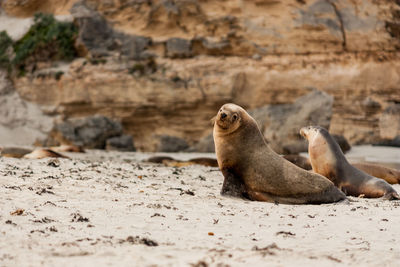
260 196
263 196
233 186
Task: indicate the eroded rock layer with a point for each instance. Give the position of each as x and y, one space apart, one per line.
165 67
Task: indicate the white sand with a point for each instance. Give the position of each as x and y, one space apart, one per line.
121 197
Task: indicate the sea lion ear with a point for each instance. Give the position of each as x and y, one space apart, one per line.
212 120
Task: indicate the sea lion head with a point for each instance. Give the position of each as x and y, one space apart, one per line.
229 118
310 132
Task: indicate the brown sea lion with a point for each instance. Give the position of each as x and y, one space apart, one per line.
14 152
40 153
253 170
171 162
158 159
299 161
390 175
328 160
209 162
68 148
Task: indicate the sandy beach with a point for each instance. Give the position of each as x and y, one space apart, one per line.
111 209
152 76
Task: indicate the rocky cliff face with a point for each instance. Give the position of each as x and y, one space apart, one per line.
165 67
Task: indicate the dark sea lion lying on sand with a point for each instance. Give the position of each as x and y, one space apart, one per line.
14 152
299 161
40 153
171 162
390 175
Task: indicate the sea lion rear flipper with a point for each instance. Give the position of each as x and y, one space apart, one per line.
260 196
391 196
233 186
267 197
158 159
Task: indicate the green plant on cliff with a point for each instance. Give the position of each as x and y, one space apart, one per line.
47 39
5 44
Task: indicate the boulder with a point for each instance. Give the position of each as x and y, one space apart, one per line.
89 132
281 124
171 144
120 143
204 145
95 35
98 39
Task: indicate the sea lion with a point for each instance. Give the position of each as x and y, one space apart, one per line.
208 162
390 175
68 148
41 153
328 160
159 159
14 152
171 162
299 161
251 169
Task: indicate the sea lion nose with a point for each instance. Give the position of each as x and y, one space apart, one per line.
223 115
302 133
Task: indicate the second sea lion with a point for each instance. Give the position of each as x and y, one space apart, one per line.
171 162
299 161
68 148
328 160
390 175
14 152
40 153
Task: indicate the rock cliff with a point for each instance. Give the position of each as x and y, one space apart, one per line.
163 68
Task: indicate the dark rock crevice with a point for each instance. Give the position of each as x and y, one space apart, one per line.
340 19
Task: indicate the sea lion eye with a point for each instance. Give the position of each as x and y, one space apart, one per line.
234 117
